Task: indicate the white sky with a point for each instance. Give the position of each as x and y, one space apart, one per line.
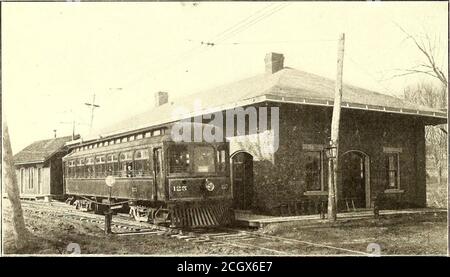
56 55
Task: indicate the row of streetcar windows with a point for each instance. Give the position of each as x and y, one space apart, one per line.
126 164
137 163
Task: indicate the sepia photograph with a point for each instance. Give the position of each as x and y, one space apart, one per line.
185 129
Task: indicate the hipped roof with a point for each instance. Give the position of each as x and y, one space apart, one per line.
287 86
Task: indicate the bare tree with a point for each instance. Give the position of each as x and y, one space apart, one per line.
20 232
429 95
429 49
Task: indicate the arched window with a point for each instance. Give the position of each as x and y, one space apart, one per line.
142 163
112 164
126 164
100 166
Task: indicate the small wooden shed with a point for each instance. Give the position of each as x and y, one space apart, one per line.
39 168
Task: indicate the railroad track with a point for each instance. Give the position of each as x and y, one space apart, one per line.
216 237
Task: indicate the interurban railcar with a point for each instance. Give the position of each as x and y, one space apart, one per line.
186 183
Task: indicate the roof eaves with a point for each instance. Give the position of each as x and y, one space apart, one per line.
357 106
29 162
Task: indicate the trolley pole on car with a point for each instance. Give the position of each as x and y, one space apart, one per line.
109 180
333 149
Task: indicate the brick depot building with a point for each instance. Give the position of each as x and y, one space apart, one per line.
381 143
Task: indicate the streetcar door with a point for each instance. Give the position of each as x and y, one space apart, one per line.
159 178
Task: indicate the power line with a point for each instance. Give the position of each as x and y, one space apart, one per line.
224 34
369 74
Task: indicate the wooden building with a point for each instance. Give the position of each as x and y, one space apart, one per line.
39 168
382 141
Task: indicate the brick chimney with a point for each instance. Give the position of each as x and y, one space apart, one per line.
161 98
274 62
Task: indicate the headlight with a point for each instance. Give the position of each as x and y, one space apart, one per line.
209 185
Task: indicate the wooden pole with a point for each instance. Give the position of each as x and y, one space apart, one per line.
334 141
20 232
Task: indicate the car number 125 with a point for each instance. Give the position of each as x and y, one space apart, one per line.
179 188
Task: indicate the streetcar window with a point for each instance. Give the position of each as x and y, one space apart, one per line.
112 164
90 168
139 136
71 169
131 138
221 160
204 159
80 168
66 169
179 159
100 166
148 134
156 132
117 141
141 163
126 164
124 140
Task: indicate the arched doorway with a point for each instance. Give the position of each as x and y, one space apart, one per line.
242 177
355 182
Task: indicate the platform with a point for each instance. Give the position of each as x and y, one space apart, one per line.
245 218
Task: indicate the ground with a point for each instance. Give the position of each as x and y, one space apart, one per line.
406 234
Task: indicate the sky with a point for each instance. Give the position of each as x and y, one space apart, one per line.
56 56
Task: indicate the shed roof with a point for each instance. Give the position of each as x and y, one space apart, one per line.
287 85
40 151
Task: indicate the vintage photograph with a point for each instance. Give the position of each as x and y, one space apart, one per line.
224 129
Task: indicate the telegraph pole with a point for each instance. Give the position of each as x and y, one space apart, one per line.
93 106
334 141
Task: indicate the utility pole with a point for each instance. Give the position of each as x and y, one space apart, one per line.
93 106
73 127
334 141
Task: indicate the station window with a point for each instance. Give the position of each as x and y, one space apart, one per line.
80 168
126 164
313 170
31 178
142 163
90 168
112 164
179 159
100 167
204 161
392 170
22 176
